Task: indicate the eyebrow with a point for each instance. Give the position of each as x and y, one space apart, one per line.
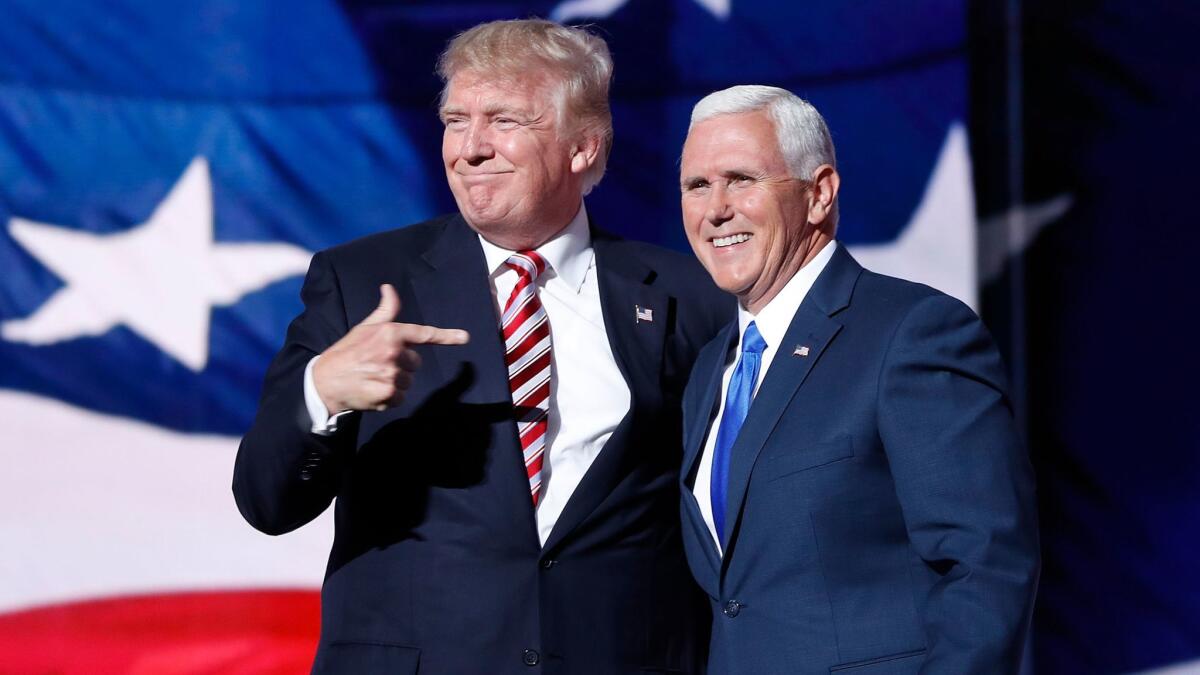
489 109
737 171
496 108
724 173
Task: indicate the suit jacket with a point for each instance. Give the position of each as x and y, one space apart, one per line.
880 512
436 565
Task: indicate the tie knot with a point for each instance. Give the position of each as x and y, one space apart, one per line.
752 340
527 262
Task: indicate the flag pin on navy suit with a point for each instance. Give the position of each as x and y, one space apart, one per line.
643 314
800 350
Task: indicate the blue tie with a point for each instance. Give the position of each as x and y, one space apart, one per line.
737 404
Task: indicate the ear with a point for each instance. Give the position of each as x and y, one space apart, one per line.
825 184
585 153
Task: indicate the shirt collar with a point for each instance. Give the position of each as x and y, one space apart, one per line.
774 318
568 254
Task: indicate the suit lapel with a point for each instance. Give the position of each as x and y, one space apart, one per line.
626 287
699 414
811 331
455 293
626 284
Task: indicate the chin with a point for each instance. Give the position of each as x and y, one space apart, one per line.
731 287
730 283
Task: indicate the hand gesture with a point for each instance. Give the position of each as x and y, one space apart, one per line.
372 366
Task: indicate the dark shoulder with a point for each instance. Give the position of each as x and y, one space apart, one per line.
398 246
677 273
702 308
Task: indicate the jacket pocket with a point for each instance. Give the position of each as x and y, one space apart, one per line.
794 459
904 663
366 658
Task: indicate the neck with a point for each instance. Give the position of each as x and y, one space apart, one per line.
754 304
533 234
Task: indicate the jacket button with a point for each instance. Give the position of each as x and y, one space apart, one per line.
732 608
548 563
530 657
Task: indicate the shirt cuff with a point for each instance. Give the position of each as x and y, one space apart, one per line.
323 424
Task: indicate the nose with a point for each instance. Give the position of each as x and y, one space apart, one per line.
719 210
476 144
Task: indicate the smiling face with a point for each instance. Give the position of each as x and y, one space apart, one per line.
516 176
751 224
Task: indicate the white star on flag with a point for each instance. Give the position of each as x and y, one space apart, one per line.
160 278
937 247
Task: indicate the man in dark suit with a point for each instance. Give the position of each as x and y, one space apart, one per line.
856 498
493 398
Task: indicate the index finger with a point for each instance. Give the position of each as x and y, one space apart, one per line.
417 334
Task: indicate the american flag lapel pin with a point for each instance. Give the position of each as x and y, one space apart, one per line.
643 314
800 350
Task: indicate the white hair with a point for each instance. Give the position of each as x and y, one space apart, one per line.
800 130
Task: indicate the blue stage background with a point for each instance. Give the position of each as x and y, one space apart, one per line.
308 123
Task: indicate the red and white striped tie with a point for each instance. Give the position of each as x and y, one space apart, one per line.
527 353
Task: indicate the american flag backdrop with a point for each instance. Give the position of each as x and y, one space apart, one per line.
167 170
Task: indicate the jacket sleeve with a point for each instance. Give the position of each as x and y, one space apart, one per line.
285 475
965 486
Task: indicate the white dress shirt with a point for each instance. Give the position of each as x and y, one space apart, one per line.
588 395
772 322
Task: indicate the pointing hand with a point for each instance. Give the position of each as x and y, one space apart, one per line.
372 366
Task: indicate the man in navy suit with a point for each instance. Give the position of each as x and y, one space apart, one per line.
506 503
856 498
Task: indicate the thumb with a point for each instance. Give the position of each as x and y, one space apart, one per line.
389 306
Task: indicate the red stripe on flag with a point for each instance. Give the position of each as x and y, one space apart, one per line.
233 633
